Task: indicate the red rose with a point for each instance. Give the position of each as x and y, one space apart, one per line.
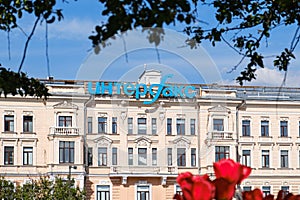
232 171
195 187
224 189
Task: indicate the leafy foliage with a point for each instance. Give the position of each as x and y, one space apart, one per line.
248 23
18 83
42 189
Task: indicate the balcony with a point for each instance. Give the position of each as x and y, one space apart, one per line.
284 141
246 140
143 169
64 131
220 135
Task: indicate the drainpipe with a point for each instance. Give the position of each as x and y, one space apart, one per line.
237 128
198 136
92 97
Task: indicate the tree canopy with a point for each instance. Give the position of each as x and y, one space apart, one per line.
243 25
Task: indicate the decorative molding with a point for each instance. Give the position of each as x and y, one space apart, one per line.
143 142
219 108
103 141
65 105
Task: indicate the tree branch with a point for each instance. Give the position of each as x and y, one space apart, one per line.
27 42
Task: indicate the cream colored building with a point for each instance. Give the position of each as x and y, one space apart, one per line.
118 147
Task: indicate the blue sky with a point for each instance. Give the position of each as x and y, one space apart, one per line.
71 55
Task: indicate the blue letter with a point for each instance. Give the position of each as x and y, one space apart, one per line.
192 94
90 88
126 89
106 87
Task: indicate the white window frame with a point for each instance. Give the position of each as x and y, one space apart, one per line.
110 190
136 190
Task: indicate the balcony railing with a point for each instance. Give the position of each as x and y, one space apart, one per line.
64 131
220 135
143 169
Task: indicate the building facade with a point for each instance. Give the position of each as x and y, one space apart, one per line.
116 146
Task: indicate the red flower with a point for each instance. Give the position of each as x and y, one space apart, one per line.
195 187
232 171
255 194
224 189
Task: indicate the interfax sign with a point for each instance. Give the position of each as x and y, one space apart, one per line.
141 89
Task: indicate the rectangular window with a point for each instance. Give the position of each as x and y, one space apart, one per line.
130 125
193 157
222 152
102 156
193 126
169 126
114 125
102 124
9 123
246 158
142 126
90 156
130 156
90 124
247 188
265 128
180 126
8 155
27 124
265 158
181 158
114 156
27 155
66 152
218 125
65 121
142 156
178 190
143 192
285 190
266 190
103 192
246 128
169 156
284 158
283 128
154 126
154 156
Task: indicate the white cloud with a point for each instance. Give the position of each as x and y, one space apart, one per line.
73 29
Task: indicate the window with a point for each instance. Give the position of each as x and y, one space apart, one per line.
169 156
246 128
284 158
8 155
283 128
130 125
102 124
181 157
154 126
27 124
130 156
143 192
90 156
65 121
265 128
27 155
142 156
142 126
90 124
246 158
154 156
66 152
9 123
169 126
114 125
193 126
285 190
247 188
265 158
102 156
193 157
218 125
103 192
178 190
221 152
180 126
114 156
266 190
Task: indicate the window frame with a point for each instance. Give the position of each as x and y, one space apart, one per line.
180 126
246 157
102 157
193 157
169 156
90 125
9 155
284 159
114 156
69 149
222 152
265 158
181 157
107 193
27 124
169 126
154 126
142 154
265 128
114 125
28 156
9 123
142 126
102 125
246 128
130 156
65 121
130 125
284 128
193 126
